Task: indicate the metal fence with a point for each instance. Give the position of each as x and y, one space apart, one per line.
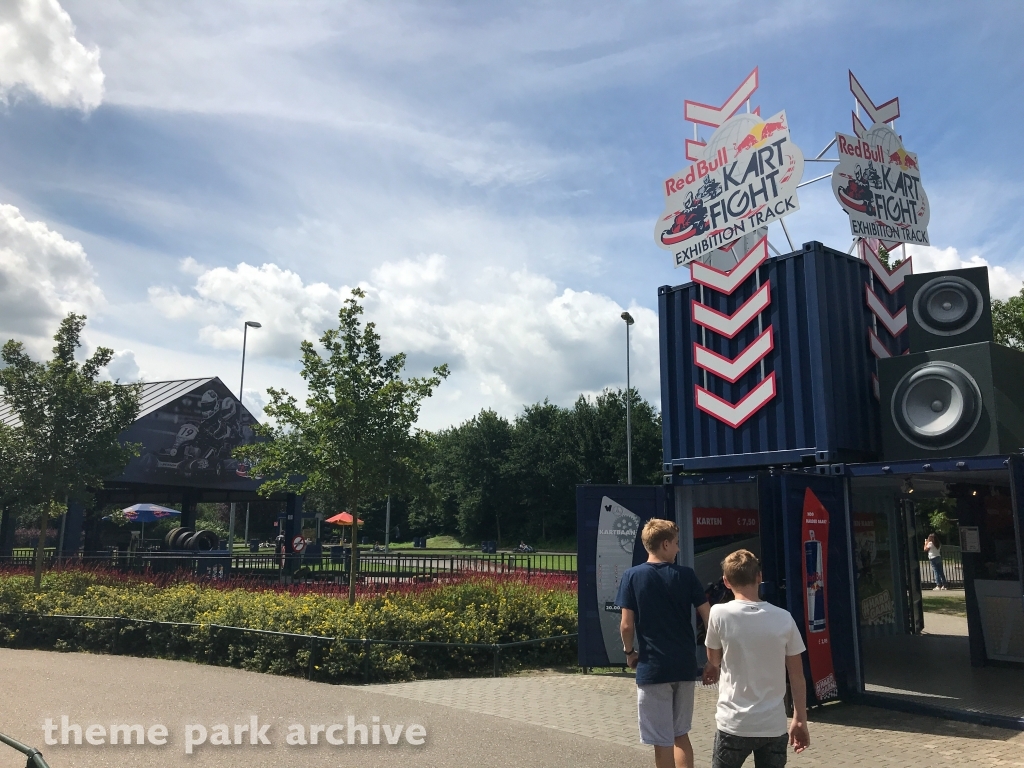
952 567
35 757
376 567
316 643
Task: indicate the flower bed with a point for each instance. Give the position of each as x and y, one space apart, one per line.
476 610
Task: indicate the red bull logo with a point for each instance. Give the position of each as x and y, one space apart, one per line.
749 142
769 128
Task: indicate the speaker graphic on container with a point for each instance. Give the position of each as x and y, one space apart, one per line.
948 309
960 401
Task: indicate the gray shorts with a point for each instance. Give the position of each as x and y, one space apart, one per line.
665 711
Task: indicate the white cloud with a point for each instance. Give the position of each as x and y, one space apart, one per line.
123 367
1002 282
39 53
223 298
42 277
510 336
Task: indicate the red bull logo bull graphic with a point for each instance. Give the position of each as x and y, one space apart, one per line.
746 180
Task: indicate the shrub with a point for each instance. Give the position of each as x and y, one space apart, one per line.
478 610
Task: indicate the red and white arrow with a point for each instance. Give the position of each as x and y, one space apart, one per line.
894 324
728 282
733 370
705 114
877 113
891 281
878 349
730 325
695 150
735 415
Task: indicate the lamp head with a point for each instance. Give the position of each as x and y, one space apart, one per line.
253 324
627 317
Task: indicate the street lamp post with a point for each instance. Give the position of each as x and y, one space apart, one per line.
245 337
629 399
231 523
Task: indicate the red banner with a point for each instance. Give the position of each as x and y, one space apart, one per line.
722 521
814 535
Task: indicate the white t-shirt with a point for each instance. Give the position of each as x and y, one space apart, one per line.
755 639
933 550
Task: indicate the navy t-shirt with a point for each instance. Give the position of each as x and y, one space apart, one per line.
660 596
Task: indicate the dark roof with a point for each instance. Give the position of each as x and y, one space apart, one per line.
155 394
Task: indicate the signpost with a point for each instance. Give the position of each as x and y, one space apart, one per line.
746 180
298 544
878 184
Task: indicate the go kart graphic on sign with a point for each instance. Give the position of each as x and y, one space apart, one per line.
878 183
747 179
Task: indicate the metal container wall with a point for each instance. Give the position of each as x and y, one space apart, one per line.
824 410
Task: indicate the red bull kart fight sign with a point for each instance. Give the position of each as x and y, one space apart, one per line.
879 185
746 179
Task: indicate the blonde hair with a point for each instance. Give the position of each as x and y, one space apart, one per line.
741 568
657 532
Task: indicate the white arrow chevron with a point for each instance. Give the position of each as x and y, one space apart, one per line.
730 325
878 349
728 282
705 114
894 324
891 281
882 113
733 370
735 415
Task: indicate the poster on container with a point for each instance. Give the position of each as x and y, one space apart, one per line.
814 535
878 184
616 537
709 522
746 180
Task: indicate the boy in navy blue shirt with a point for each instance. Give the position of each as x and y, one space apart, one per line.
657 598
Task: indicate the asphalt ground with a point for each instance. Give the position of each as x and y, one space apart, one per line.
542 719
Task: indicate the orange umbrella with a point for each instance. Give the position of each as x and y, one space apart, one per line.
342 518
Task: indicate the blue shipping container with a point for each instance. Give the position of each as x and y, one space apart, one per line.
823 411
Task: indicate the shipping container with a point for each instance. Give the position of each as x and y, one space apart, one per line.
823 409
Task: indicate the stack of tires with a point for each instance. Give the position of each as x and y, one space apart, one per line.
193 541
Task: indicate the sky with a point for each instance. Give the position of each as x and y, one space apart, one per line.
489 174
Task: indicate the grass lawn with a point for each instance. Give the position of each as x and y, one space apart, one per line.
950 605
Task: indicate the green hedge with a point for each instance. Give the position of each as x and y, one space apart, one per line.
475 612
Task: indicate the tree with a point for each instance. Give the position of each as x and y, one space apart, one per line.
492 478
67 425
354 439
1008 321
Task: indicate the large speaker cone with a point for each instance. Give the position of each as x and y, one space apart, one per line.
948 305
936 405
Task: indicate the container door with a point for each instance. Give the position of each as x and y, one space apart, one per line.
818 557
609 519
909 545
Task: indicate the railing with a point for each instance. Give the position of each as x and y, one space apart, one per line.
35 757
952 567
373 566
316 643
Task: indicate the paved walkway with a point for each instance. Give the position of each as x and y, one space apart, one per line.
542 720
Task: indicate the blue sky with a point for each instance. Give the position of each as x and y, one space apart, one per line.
490 174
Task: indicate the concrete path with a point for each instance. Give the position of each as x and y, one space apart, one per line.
531 720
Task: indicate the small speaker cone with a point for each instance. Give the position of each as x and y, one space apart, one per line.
948 305
936 405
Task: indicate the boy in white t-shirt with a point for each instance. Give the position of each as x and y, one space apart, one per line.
751 646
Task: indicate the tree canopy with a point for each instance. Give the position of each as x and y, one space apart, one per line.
1008 321
354 438
63 442
495 478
